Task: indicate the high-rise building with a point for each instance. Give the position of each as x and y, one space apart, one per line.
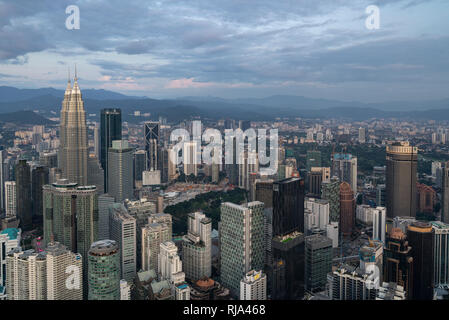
26 275
379 223
288 206
104 270
190 162
318 262
421 238
110 130
2 180
120 162
48 159
253 286
122 229
140 162
23 194
39 178
10 199
97 140
9 239
330 190
347 208
398 261
445 193
151 135
371 259
170 269
241 242
61 263
197 247
287 270
73 148
71 217
95 174
351 283
362 135
441 254
344 166
402 161
316 215
264 192
105 201
169 263
152 236
249 165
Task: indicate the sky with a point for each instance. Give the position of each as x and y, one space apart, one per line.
231 48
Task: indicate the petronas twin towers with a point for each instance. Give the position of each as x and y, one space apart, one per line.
73 148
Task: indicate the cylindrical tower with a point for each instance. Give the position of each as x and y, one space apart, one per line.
402 161
104 270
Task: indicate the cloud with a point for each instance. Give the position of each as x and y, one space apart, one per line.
232 44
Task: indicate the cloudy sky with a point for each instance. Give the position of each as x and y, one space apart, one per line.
231 48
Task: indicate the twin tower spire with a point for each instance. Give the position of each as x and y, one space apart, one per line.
69 90
73 147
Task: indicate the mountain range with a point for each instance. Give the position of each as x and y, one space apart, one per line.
48 102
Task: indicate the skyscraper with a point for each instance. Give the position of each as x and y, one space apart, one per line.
39 178
23 194
402 161
73 148
152 236
421 238
104 270
441 254
140 162
10 199
287 270
197 247
2 180
122 228
242 242
110 130
71 217
59 261
330 190
288 206
26 275
347 209
445 193
318 262
398 261
253 286
344 166
151 135
120 162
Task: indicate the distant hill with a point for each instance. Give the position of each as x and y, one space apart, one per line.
256 109
11 94
25 117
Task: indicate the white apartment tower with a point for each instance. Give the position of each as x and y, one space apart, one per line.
122 229
64 273
253 286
